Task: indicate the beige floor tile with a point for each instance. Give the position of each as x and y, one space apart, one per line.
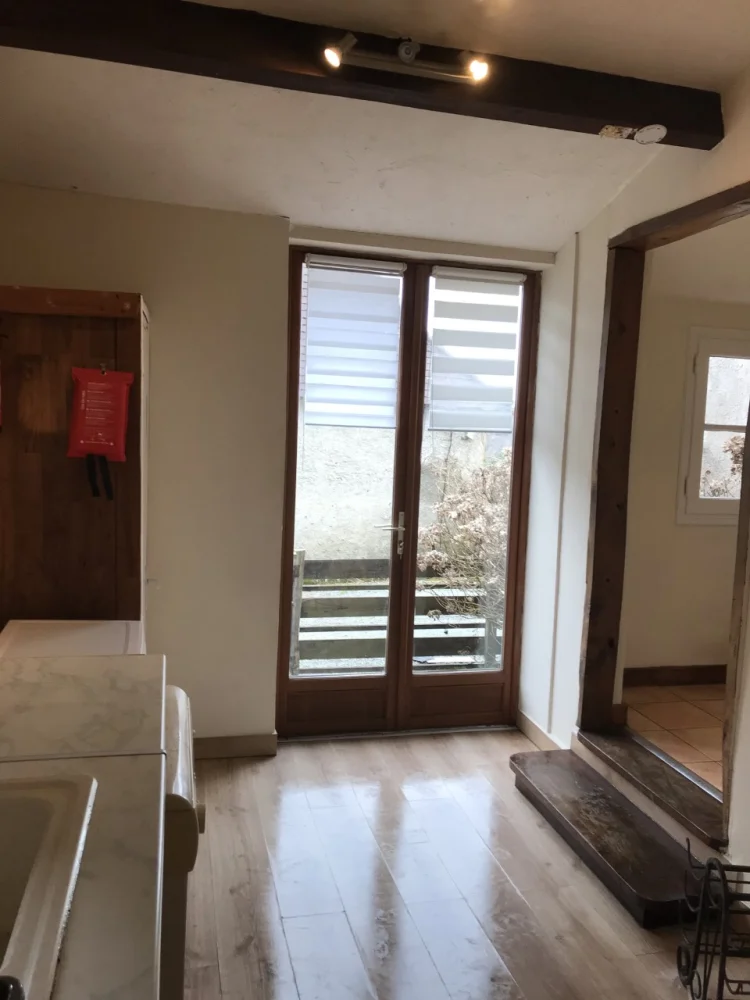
644 695
640 723
675 747
700 692
715 708
707 740
711 771
677 715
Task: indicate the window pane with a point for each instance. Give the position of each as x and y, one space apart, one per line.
464 501
351 329
721 465
728 391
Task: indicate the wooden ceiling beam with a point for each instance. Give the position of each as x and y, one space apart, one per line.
248 47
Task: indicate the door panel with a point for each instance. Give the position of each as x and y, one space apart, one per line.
344 510
465 470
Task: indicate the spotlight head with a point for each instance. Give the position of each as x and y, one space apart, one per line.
408 51
478 68
334 54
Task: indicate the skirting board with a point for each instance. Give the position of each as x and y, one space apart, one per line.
536 734
709 673
218 747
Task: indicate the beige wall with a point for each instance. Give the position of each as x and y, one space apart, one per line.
215 284
678 577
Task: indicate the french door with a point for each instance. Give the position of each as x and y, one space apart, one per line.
410 402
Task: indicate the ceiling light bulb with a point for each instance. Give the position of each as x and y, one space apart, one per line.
478 69
334 54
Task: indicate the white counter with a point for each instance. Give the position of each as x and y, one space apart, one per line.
81 706
102 716
52 637
111 943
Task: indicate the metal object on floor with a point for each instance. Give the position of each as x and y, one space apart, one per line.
716 904
10 989
183 822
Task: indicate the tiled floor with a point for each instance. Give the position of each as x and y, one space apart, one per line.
685 722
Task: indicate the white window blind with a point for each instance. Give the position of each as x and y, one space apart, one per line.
472 369
350 342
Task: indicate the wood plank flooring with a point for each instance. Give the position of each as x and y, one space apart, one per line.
401 869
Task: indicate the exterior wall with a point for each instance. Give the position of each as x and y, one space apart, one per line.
216 286
345 486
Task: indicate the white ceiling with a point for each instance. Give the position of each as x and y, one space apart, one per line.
322 161
692 42
714 265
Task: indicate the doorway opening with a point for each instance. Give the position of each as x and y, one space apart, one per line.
716 477
410 392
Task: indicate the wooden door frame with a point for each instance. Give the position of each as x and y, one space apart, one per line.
410 421
608 530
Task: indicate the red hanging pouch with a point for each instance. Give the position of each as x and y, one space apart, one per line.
99 419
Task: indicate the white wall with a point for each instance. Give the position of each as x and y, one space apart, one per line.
577 484
540 613
215 284
674 178
564 423
678 577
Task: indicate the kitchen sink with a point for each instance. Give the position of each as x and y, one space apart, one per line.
43 825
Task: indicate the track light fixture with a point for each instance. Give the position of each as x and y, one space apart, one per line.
474 68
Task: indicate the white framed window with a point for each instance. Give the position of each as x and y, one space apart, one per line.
713 434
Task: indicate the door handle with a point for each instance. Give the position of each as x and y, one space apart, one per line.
399 528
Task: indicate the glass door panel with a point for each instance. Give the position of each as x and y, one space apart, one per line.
473 335
345 530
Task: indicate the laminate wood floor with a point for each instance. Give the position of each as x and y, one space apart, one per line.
401 869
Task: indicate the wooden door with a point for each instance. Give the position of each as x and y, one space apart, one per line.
376 635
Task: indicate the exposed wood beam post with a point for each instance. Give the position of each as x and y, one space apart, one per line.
254 48
622 317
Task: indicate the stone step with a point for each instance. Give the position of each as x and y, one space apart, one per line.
348 623
340 602
376 665
630 853
371 642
